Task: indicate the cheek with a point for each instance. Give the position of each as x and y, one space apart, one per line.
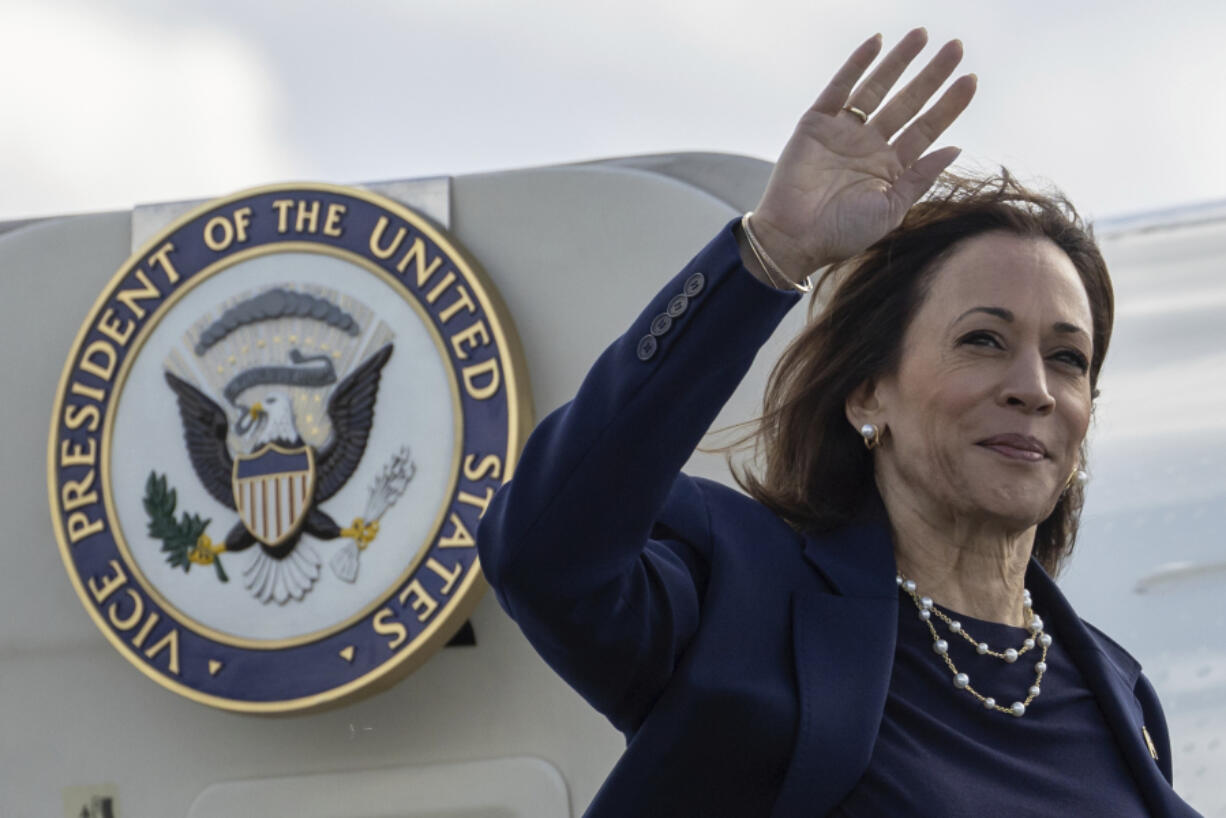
1078 424
932 441
1075 407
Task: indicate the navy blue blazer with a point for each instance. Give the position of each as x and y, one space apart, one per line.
746 664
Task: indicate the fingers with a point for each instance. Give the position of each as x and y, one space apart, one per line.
921 176
869 94
832 99
908 102
921 133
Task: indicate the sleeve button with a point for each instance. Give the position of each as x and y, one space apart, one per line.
694 285
677 306
661 324
647 347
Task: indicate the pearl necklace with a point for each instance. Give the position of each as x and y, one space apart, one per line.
963 682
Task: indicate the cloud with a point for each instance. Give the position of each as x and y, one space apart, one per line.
107 110
134 100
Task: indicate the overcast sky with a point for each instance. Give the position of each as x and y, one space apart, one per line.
111 104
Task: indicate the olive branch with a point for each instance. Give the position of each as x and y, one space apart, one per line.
179 538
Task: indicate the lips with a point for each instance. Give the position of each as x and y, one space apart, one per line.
1018 447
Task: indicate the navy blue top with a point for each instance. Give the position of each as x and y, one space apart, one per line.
941 752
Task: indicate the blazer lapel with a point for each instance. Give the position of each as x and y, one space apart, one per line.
843 645
1113 681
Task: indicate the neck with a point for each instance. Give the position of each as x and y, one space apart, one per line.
975 567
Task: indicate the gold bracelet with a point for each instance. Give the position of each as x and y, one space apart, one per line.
769 265
753 246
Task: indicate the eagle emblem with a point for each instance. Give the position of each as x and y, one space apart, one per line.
254 459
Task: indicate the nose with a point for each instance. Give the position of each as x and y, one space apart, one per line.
1025 385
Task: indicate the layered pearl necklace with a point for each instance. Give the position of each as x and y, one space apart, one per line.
962 681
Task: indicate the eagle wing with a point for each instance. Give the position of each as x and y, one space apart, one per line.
204 430
351 409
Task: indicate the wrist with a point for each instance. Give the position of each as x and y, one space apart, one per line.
793 260
751 263
792 272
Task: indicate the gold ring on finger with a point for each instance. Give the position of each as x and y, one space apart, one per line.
851 109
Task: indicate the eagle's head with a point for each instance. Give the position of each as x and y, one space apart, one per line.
269 419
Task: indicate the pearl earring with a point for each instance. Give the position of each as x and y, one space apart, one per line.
871 435
1078 478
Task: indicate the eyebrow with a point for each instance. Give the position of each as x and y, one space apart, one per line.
1007 315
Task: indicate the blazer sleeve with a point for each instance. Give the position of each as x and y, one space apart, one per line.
598 547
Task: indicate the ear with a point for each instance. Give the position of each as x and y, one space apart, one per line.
864 405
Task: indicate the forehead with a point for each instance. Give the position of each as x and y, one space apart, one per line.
1029 276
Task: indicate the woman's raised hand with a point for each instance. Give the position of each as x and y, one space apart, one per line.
841 183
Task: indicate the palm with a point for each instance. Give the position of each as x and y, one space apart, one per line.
841 184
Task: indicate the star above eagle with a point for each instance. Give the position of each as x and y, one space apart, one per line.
277 459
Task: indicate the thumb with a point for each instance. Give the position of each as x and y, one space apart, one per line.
913 184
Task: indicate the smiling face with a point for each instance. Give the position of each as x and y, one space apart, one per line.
991 400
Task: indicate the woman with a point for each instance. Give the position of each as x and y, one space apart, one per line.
799 654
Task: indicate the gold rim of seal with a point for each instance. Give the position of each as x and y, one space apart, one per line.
519 423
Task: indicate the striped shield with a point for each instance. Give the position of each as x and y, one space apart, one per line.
273 490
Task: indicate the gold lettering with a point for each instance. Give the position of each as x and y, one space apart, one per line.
460 536
129 297
162 259
440 287
242 220
143 633
210 233
77 456
466 336
417 254
308 217
80 527
463 301
103 371
479 502
109 584
377 234
138 610
449 577
170 640
332 222
77 416
88 392
490 464
76 493
109 326
422 602
283 206
394 629
473 371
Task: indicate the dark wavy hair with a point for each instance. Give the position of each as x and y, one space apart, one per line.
808 465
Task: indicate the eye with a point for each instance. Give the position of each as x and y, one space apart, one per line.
981 338
1074 359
